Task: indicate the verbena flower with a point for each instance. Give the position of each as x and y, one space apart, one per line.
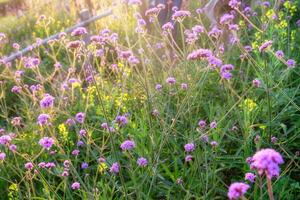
5 139
84 165
256 82
142 162
75 186
47 101
202 124
265 45
188 158
127 145
237 190
189 147
291 63
115 168
46 142
28 165
43 119
2 156
267 161
171 80
199 54
121 120
250 177
79 31
80 117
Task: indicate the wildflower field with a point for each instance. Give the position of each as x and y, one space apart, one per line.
133 108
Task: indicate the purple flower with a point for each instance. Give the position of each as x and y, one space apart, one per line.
80 117
274 139
180 15
213 143
279 54
226 75
199 54
237 190
79 31
184 86
84 165
291 63
16 89
265 45
115 168
5 139
121 120
256 82
2 156
82 133
202 124
234 3
213 124
267 161
250 177
50 165
29 166
42 165
127 145
43 119
226 19
158 87
189 147
75 186
46 142
298 22
142 162
188 158
171 80
47 101
13 147
75 152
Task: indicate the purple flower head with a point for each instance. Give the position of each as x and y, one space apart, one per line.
158 87
75 186
75 152
226 75
213 143
47 101
80 117
291 63
79 31
115 168
214 61
65 173
142 162
121 120
13 147
50 165
16 89
265 45
42 165
256 82
267 161
180 15
168 26
184 86
226 19
5 139
28 166
2 156
189 147
298 22
171 80
213 124
46 142
82 132
127 145
237 190
84 165
234 3
279 54
274 139
74 44
215 32
70 122
202 124
188 158
43 119
250 177
199 54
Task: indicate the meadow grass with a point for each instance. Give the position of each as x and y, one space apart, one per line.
77 118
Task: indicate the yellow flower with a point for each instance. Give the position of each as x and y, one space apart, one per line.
249 105
63 131
263 127
102 166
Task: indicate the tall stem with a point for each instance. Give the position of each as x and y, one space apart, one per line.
270 189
